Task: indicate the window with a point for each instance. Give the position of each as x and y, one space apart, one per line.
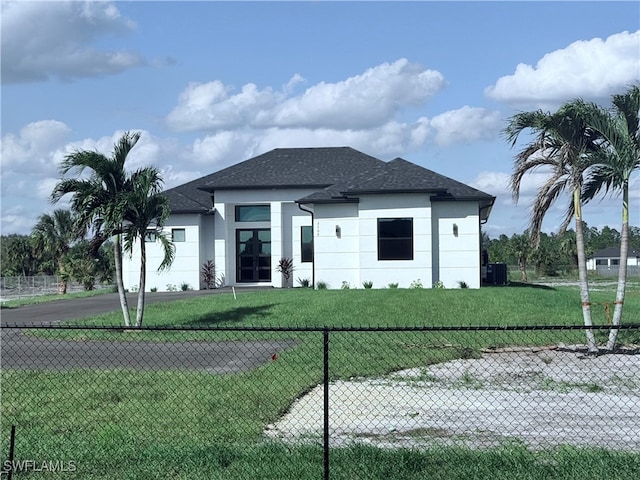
178 235
306 243
602 262
395 239
615 262
150 236
253 213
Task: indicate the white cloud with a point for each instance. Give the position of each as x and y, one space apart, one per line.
362 101
211 106
495 182
593 69
35 146
466 125
371 99
41 40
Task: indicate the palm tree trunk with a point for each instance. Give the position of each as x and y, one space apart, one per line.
582 274
143 280
117 248
622 270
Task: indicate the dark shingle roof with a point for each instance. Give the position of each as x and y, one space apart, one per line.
292 168
187 198
339 173
614 252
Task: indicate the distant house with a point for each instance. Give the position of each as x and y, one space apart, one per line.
342 216
610 257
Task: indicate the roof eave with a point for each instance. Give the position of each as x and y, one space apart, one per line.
211 189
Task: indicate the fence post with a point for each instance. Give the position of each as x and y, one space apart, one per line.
325 337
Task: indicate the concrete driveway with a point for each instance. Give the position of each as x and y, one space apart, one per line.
23 351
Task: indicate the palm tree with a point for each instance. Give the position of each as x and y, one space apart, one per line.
148 210
563 144
520 248
618 157
99 199
53 236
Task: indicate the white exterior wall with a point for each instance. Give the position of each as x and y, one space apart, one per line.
286 219
336 254
456 257
631 262
189 257
347 255
403 272
352 256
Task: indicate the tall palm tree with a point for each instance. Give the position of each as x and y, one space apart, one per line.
147 213
520 248
563 144
99 199
619 156
53 236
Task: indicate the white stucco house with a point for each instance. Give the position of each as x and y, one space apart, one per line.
609 258
339 214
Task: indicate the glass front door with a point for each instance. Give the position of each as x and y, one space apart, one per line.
253 262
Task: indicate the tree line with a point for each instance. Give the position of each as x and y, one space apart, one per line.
556 254
26 256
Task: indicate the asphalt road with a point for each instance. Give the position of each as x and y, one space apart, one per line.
23 351
77 308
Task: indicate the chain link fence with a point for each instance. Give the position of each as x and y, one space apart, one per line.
12 288
105 402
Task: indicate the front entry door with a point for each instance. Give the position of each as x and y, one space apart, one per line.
253 262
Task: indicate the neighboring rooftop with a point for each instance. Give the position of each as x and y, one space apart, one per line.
614 252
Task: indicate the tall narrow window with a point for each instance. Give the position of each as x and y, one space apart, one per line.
395 239
306 244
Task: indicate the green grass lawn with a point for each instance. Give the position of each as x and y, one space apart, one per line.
181 424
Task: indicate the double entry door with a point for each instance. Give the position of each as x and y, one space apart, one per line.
253 262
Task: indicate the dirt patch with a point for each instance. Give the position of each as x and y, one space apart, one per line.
544 398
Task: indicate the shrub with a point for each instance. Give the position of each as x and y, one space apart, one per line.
154 289
322 285
285 267
208 273
345 286
463 284
184 286
393 285
438 285
416 284
304 282
368 284
171 287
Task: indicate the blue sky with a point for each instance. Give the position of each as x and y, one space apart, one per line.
210 84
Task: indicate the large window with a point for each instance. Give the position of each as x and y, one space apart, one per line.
253 213
306 243
395 239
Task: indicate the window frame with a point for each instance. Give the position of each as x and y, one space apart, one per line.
390 247
305 258
173 235
150 236
238 212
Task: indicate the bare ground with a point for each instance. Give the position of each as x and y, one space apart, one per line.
540 398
